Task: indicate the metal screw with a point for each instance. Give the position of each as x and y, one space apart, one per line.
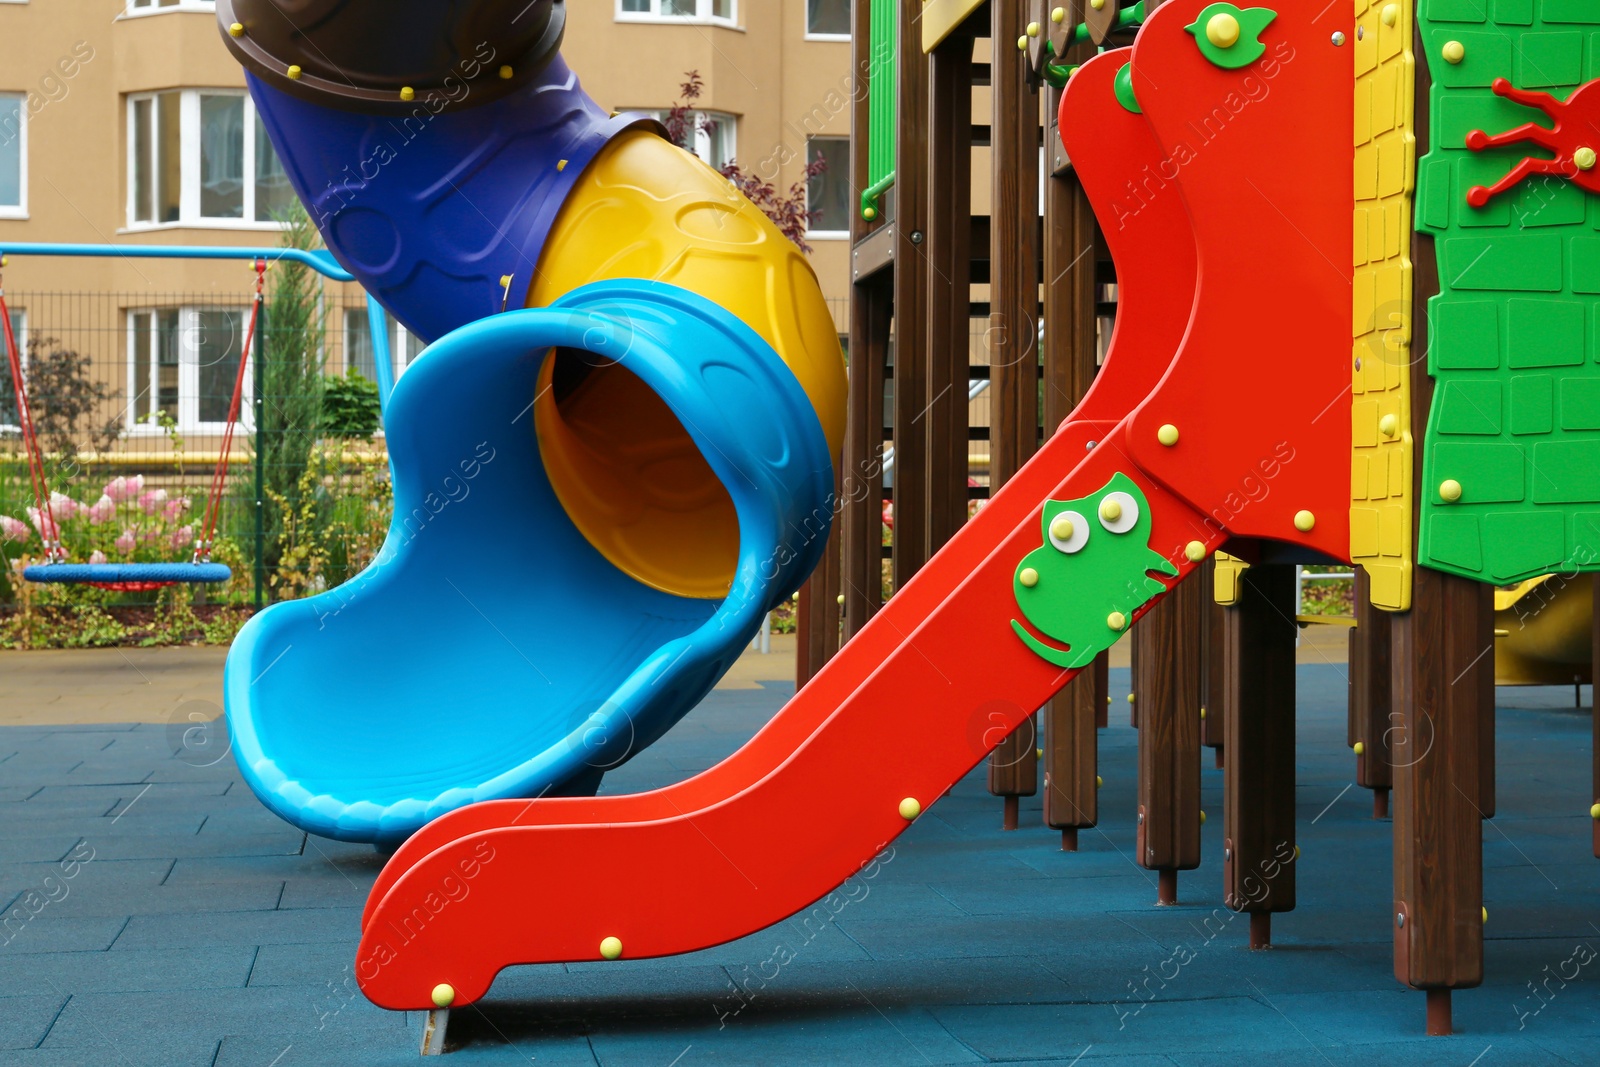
1227 853
1090 446
1400 919
1141 818
1358 363
916 237
1338 38
1361 33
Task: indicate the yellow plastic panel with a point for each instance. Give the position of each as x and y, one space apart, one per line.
624 469
1386 171
941 17
1225 588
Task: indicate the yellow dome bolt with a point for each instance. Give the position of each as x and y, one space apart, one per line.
1194 551
611 948
1202 714
561 165
1304 521
236 29
1167 435
1130 698
1359 748
1486 916
506 73
840 599
294 73
1058 16
1033 29
1099 781
407 93
1061 528
1202 817
1022 43
1117 620
1222 30
1038 753
910 808
444 995
1389 425
1585 158
1390 14
869 213
1110 510
1098 5
1453 52
1029 577
1297 852
1594 813
1450 490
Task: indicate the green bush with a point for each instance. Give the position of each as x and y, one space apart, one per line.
349 406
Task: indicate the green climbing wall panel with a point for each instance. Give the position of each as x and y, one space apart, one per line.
1515 332
883 100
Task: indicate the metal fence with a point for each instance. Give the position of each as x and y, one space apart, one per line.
130 394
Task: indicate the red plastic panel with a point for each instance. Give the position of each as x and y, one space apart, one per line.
1262 156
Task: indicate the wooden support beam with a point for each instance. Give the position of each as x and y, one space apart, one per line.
1370 691
1168 684
1014 319
861 510
1258 785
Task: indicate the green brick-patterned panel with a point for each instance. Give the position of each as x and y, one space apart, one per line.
1515 332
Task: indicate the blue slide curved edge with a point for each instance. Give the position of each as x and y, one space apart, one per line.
462 664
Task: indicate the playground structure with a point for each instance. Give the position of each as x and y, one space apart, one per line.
1231 415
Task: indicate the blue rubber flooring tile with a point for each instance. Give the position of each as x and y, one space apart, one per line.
1304 926
819 941
320 1049
93 893
233 870
1418 1052
1016 1032
245 819
617 989
193 969
1486 1015
241 928
47 846
1000 980
980 936
1125 889
89 1017
306 966
134 846
321 892
1576 1051
55 931
140 1049
24 1020
895 1036
882 899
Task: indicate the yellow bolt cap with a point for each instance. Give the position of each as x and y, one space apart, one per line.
1304 521
1297 852
1389 425
506 72
1202 714
1167 435
407 93
561 165
1486 916
611 948
1022 44
236 30
1029 577
1099 781
1222 30
1058 16
505 281
1202 817
1130 698
1110 510
1061 528
1038 753
1453 52
444 995
1585 158
1390 14
1450 490
1194 551
910 808
1033 29
869 213
1594 812
1359 748
840 599
1116 620
293 73
1097 4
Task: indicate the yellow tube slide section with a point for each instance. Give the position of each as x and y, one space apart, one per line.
626 471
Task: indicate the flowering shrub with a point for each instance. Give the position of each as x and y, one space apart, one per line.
126 524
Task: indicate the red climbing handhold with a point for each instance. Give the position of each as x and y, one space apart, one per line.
1575 139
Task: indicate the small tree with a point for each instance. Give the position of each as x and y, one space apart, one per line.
67 404
788 211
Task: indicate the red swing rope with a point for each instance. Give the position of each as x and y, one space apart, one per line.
202 548
49 532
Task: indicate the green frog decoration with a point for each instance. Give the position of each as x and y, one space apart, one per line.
1094 570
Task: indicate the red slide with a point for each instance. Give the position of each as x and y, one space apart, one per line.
951 657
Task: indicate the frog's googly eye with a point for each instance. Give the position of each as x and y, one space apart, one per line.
1069 532
1119 512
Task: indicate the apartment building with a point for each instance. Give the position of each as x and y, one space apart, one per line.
126 122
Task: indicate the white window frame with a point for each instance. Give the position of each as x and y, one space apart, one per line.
189 164
20 209
832 38
188 420
137 10
397 347
20 317
826 235
703 14
702 140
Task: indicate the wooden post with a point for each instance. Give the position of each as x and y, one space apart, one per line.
1369 717
1013 320
1167 680
1259 694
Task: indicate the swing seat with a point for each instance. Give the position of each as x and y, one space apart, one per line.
127 577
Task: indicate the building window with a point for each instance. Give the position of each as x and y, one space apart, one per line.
404 346
828 18
711 135
828 193
677 11
149 7
182 363
9 423
13 156
200 157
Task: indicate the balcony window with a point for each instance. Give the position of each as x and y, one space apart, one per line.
828 193
200 157
724 11
182 363
13 156
828 19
